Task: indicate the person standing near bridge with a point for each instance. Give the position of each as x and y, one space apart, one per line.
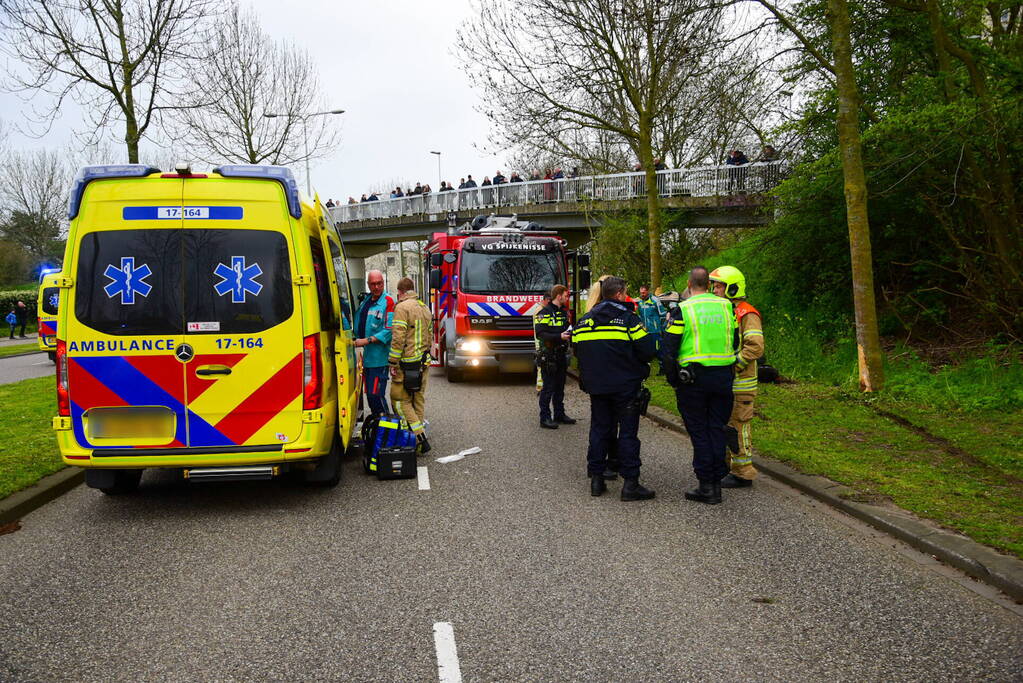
411 336
550 327
729 283
614 353
698 354
373 323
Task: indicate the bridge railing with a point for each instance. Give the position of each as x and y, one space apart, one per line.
705 181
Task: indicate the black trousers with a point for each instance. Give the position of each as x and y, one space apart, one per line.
608 413
553 390
706 406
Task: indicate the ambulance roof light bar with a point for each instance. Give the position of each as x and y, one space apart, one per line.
281 174
90 173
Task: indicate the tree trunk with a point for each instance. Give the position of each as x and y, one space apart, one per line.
867 339
653 208
131 128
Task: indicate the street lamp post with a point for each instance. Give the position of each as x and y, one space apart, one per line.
438 169
305 138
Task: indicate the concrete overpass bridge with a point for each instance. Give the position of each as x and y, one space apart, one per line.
709 196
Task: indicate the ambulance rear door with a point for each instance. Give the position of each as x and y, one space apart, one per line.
242 317
121 322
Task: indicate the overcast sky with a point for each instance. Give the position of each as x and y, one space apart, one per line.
391 67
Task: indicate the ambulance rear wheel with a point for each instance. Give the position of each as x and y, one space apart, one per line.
327 472
52 355
113 482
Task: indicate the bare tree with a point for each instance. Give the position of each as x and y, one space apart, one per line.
120 59
34 196
250 75
616 66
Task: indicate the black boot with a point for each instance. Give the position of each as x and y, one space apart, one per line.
611 468
633 490
565 420
548 423
424 445
707 492
733 482
597 485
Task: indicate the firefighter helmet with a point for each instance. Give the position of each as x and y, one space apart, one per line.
733 280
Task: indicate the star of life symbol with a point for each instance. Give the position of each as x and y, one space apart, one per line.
238 279
127 280
54 300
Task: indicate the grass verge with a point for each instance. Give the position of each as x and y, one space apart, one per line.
28 450
960 469
15 349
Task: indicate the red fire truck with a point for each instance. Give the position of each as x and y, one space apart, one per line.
487 280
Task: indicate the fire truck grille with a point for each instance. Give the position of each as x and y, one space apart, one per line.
511 344
513 322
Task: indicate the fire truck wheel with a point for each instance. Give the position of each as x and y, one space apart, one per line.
454 375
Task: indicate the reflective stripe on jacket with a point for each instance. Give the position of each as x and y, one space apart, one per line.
703 332
751 347
412 330
548 324
613 348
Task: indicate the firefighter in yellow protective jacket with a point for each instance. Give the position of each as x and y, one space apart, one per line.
729 282
409 359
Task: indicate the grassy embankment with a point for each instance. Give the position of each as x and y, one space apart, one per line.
28 449
943 441
15 349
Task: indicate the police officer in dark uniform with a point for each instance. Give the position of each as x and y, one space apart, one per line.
614 352
550 327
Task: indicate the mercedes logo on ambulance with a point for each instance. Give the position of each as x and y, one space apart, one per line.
184 353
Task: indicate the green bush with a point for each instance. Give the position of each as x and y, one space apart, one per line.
9 298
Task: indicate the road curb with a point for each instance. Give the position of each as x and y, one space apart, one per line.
19 504
985 564
19 355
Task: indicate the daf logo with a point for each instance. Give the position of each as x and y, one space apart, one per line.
184 353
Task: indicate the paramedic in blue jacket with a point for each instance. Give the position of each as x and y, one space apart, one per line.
651 312
373 335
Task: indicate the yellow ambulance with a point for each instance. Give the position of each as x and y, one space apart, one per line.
46 312
205 324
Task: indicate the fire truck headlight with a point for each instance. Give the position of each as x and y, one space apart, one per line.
470 346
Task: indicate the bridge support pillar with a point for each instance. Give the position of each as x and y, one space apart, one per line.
357 274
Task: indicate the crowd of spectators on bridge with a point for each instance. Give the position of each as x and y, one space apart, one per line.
734 158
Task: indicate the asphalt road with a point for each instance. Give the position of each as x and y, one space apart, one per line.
25 367
539 581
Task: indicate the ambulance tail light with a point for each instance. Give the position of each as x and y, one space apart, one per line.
312 369
63 397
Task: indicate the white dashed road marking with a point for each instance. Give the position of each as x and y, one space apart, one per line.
424 478
448 670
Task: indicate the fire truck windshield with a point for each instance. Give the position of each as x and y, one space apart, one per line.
496 273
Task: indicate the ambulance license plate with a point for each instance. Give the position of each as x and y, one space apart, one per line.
143 422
